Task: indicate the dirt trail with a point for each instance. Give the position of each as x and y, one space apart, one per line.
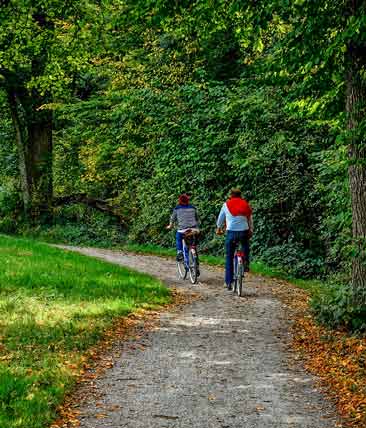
220 362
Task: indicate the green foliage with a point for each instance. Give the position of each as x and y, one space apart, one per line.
296 260
44 44
77 225
8 152
339 307
333 189
9 194
54 306
9 204
150 145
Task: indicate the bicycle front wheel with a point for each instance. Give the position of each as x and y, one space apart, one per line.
193 267
181 269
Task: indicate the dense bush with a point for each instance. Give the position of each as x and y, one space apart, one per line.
339 307
150 145
77 225
294 259
9 205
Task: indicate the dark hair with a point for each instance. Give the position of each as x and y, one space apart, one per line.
235 193
183 199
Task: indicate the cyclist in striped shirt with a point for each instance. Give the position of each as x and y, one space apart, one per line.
185 217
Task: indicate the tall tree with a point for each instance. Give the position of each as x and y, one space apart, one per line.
356 109
43 45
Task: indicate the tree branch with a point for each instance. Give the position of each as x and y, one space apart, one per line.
95 203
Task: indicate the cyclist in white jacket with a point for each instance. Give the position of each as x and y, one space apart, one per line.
237 213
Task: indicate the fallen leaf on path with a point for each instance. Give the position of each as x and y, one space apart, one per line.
113 408
101 416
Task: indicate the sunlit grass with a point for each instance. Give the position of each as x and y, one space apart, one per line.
54 305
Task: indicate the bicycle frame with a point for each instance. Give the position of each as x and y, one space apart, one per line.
239 256
186 249
190 258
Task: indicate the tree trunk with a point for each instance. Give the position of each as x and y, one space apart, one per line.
355 106
33 132
40 165
40 126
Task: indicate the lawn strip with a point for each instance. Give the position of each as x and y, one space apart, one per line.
55 306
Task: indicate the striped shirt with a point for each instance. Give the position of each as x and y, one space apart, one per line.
185 217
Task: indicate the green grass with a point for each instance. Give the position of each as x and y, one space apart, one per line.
257 267
54 305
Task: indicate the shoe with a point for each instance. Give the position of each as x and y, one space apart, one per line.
228 287
180 257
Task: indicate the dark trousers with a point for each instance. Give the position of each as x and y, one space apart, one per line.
232 240
179 241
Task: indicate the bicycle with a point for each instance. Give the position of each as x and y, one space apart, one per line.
190 262
239 257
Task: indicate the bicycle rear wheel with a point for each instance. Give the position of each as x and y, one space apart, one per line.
193 266
235 282
239 280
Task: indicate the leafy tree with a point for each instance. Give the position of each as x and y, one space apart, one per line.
43 46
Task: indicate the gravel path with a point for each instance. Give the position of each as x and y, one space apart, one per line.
220 362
